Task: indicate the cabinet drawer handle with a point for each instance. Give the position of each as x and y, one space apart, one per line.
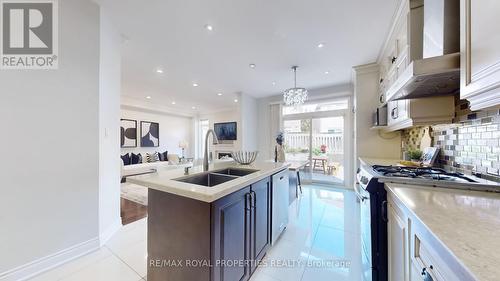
394 113
281 177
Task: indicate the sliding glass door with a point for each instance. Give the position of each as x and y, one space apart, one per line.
318 137
327 159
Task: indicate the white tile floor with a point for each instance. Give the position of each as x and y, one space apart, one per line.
323 231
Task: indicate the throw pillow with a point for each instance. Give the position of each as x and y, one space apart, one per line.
134 158
126 159
140 158
173 159
154 157
164 155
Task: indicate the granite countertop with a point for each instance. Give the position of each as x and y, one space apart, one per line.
466 222
164 181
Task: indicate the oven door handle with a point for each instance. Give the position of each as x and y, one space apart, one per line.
384 211
358 193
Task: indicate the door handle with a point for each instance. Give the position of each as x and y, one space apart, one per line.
248 201
384 211
252 199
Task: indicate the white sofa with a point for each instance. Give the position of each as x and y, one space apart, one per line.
143 168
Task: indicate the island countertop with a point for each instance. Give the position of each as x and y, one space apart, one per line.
163 180
466 222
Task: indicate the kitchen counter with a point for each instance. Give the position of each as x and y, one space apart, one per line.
164 180
467 223
379 161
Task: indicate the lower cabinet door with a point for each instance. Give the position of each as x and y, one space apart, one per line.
398 248
231 236
261 221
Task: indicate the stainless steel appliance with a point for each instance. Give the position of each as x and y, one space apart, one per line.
280 200
380 116
434 32
373 203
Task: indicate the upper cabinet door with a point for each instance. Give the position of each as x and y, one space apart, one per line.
480 53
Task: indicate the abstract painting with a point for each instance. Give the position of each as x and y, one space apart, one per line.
128 135
150 134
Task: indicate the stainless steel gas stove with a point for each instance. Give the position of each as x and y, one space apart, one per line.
430 176
373 203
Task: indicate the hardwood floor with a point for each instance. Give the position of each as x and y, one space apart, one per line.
131 211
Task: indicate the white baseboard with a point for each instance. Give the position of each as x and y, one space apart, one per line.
38 266
110 231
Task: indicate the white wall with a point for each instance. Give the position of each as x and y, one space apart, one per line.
173 129
109 132
369 143
220 117
50 196
249 119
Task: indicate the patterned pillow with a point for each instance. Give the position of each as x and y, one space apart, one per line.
151 158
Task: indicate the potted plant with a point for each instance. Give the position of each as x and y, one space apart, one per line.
415 155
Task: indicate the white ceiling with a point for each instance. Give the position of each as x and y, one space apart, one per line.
273 34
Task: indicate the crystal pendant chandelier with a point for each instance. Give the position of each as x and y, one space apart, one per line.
295 96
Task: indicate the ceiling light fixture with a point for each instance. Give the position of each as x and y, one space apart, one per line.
327 72
295 96
148 97
209 27
193 107
235 100
274 83
252 65
321 45
159 70
195 84
173 102
219 94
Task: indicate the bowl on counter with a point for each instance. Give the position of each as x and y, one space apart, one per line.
244 157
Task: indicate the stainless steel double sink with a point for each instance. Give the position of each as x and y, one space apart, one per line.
216 177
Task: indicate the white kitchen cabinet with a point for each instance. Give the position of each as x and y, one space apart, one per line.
480 53
397 235
413 251
402 114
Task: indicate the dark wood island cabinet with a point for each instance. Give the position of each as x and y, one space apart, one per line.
194 240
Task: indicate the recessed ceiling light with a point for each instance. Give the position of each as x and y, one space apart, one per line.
173 102
195 84
235 100
219 94
148 97
209 27
159 70
193 107
321 45
327 72
252 65
274 83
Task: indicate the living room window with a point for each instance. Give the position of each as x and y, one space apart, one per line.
204 126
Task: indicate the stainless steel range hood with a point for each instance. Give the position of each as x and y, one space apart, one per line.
434 51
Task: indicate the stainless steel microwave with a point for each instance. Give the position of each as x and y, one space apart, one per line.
380 116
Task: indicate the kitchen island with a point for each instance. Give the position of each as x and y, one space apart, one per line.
209 225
